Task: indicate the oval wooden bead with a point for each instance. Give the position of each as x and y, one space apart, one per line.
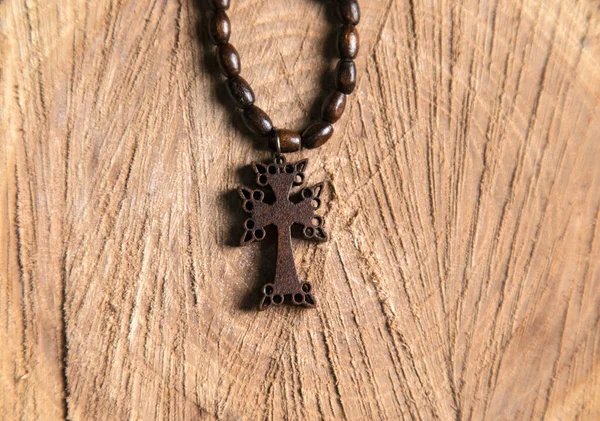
345 80
333 107
289 140
257 121
317 134
229 60
349 11
348 42
219 27
240 91
220 4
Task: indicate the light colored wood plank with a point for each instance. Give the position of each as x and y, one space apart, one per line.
462 280
32 207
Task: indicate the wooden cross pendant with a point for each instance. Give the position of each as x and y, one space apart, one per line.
283 213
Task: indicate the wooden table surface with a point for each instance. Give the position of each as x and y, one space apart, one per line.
462 194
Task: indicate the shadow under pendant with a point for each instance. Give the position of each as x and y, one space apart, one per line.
283 214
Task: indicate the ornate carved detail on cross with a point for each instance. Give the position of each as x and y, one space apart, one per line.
283 213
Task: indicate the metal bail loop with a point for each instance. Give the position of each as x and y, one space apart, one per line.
279 159
277 146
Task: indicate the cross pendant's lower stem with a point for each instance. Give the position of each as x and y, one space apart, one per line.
286 284
286 276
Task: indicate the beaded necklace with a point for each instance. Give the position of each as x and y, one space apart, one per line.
278 177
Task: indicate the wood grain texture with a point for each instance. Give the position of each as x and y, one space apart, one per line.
462 281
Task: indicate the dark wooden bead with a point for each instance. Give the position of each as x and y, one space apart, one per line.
229 60
219 27
240 91
317 134
220 4
345 80
333 107
348 42
289 140
257 121
349 11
